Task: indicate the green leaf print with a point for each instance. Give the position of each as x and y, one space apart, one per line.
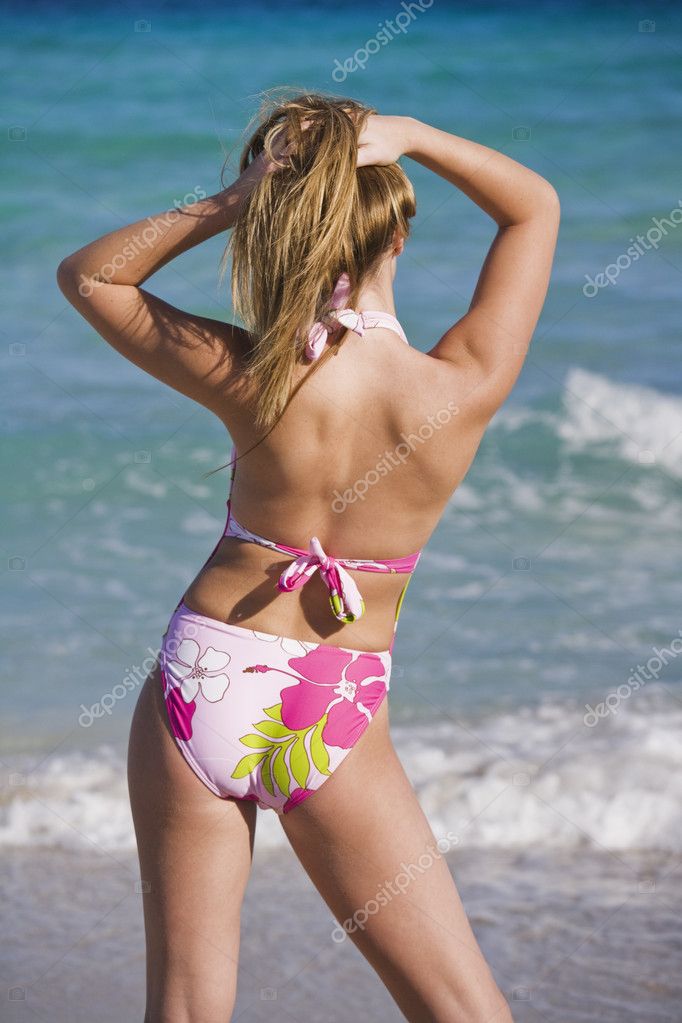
266 774
318 750
272 746
280 772
255 741
300 765
273 729
247 764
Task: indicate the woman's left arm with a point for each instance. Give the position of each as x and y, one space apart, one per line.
195 355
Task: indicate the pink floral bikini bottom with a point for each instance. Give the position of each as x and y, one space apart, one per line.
263 717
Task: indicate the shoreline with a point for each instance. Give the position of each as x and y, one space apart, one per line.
570 935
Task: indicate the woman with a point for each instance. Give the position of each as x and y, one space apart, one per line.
350 444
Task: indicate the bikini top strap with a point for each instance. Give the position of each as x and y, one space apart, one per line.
370 318
350 320
344 596
233 465
233 472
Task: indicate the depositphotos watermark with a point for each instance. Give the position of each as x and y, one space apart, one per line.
105 705
398 886
387 32
138 242
390 460
640 245
637 680
133 678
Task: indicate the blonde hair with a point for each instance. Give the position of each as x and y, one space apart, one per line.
301 227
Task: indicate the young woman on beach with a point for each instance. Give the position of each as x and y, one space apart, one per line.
348 444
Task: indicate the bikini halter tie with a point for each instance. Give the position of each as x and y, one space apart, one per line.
321 329
340 316
344 596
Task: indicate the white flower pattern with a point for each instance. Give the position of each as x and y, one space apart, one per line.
192 670
347 689
294 647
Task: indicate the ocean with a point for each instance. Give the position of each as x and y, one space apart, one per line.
537 689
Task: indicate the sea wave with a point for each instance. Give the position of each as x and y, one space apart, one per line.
538 777
643 424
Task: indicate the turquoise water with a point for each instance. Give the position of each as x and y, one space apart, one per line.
555 570
553 575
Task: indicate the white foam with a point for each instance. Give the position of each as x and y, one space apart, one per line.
73 800
532 778
543 778
144 483
116 545
644 425
200 523
515 417
201 491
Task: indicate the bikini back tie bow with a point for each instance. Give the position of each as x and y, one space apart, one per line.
344 596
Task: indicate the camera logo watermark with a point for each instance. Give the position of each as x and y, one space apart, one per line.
390 460
388 30
156 227
640 245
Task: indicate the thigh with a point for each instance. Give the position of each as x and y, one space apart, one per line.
370 851
195 855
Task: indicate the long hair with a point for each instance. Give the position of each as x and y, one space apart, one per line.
301 227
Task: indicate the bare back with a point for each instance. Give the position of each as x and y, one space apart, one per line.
367 455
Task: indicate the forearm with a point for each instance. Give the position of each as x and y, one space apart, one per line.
506 190
135 252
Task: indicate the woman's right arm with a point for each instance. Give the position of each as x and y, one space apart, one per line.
489 343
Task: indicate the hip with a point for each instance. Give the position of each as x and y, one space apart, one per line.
238 585
262 716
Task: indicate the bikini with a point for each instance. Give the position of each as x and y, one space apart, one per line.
264 717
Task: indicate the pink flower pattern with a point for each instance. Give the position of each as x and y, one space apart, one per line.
299 710
347 688
180 714
296 797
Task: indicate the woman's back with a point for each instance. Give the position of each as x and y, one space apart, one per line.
365 458
358 459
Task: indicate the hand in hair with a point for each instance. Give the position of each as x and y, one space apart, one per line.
382 140
273 157
277 148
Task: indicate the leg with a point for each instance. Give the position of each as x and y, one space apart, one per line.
195 854
362 833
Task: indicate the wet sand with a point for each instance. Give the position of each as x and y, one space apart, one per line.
583 936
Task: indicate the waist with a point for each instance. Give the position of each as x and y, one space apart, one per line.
402 565
238 585
291 645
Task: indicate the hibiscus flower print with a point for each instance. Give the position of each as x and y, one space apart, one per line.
192 671
180 714
296 797
346 687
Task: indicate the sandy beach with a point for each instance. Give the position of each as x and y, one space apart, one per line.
585 937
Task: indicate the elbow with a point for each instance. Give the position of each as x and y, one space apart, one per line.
539 204
64 273
67 277
548 201
543 207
